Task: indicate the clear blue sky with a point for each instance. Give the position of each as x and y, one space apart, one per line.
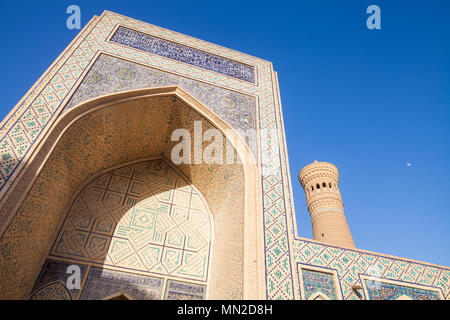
369 101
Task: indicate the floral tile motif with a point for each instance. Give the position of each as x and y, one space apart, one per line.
318 282
56 271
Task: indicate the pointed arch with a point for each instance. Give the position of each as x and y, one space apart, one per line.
134 125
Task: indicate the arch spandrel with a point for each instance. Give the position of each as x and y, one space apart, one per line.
34 196
125 127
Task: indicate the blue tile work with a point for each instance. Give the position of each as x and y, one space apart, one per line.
350 265
184 291
388 291
55 271
316 281
102 283
175 51
111 75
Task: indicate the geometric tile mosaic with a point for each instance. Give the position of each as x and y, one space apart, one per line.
176 290
91 240
142 217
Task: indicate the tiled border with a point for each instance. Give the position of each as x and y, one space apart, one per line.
55 256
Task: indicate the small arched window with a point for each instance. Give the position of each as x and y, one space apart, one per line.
329 184
324 185
317 186
312 188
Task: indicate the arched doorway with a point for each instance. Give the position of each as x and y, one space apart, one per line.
111 131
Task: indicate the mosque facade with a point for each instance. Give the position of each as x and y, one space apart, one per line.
93 205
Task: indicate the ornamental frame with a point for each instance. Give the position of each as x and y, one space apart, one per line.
329 271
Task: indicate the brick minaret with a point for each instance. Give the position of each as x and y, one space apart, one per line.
320 182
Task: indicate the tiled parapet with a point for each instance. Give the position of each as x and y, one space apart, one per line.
365 271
